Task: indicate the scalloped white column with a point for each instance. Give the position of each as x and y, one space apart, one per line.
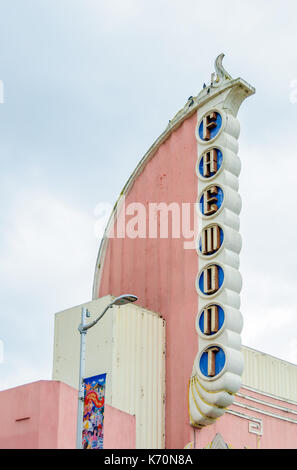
209 395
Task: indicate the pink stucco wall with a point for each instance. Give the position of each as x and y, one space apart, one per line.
161 272
42 415
38 415
279 431
119 429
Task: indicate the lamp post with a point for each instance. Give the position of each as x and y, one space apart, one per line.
83 328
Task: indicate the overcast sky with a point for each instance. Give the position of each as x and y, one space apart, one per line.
88 86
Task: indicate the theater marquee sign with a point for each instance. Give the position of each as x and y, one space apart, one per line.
218 366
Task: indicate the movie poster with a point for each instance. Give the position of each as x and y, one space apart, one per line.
94 393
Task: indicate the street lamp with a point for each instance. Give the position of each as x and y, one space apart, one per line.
83 328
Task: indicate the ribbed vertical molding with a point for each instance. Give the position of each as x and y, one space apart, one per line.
218 365
138 372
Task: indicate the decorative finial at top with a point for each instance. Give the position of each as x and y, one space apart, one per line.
221 73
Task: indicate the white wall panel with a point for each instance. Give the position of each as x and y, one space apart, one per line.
269 374
129 345
138 372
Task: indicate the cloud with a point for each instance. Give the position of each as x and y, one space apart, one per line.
43 233
88 87
46 264
268 257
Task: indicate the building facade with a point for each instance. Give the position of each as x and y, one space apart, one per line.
130 347
175 372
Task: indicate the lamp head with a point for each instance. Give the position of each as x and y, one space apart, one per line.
125 299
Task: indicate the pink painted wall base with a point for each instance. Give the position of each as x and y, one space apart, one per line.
42 415
119 429
254 421
39 415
